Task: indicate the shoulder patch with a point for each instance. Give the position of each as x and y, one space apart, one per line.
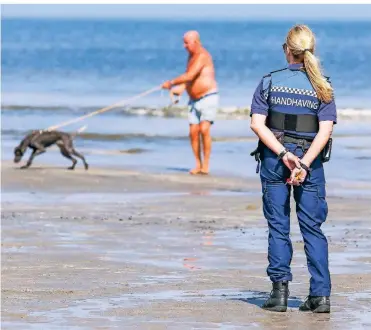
266 85
266 81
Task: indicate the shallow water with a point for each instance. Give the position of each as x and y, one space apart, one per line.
161 145
56 70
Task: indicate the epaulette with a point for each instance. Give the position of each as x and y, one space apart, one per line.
269 74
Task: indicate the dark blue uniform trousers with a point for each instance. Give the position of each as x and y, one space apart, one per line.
311 209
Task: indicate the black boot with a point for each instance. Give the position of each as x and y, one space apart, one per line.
277 301
316 304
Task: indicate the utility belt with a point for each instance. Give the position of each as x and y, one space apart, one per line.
300 142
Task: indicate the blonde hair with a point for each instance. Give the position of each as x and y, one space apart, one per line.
301 42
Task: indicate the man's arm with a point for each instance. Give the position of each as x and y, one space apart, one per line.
194 69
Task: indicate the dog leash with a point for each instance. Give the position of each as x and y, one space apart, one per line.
120 103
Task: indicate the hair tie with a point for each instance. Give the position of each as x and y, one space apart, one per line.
306 50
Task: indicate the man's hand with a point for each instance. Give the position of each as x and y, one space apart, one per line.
291 161
174 97
167 84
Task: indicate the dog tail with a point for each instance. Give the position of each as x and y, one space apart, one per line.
80 130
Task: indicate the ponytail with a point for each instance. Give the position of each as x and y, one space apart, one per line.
319 82
301 42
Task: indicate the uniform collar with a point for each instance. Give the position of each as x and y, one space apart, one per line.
295 66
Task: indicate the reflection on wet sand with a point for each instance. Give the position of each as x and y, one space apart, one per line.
193 263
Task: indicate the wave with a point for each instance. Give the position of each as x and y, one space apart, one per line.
174 111
143 138
148 137
131 136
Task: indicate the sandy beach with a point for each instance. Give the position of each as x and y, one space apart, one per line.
136 242
123 249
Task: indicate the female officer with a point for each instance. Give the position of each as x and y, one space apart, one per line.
293 113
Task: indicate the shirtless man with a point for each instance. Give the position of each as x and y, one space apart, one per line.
199 81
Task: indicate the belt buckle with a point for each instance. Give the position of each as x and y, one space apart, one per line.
301 144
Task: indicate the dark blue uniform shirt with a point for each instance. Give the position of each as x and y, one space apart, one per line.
290 91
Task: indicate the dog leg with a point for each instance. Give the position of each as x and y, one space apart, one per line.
35 153
74 152
68 143
67 154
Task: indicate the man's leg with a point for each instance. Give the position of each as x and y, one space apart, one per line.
194 136
208 107
206 143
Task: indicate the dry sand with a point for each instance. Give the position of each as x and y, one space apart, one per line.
116 249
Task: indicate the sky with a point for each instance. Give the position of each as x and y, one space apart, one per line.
278 12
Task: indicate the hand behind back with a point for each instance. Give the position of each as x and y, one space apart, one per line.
298 174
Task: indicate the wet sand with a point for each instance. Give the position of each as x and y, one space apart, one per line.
121 249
